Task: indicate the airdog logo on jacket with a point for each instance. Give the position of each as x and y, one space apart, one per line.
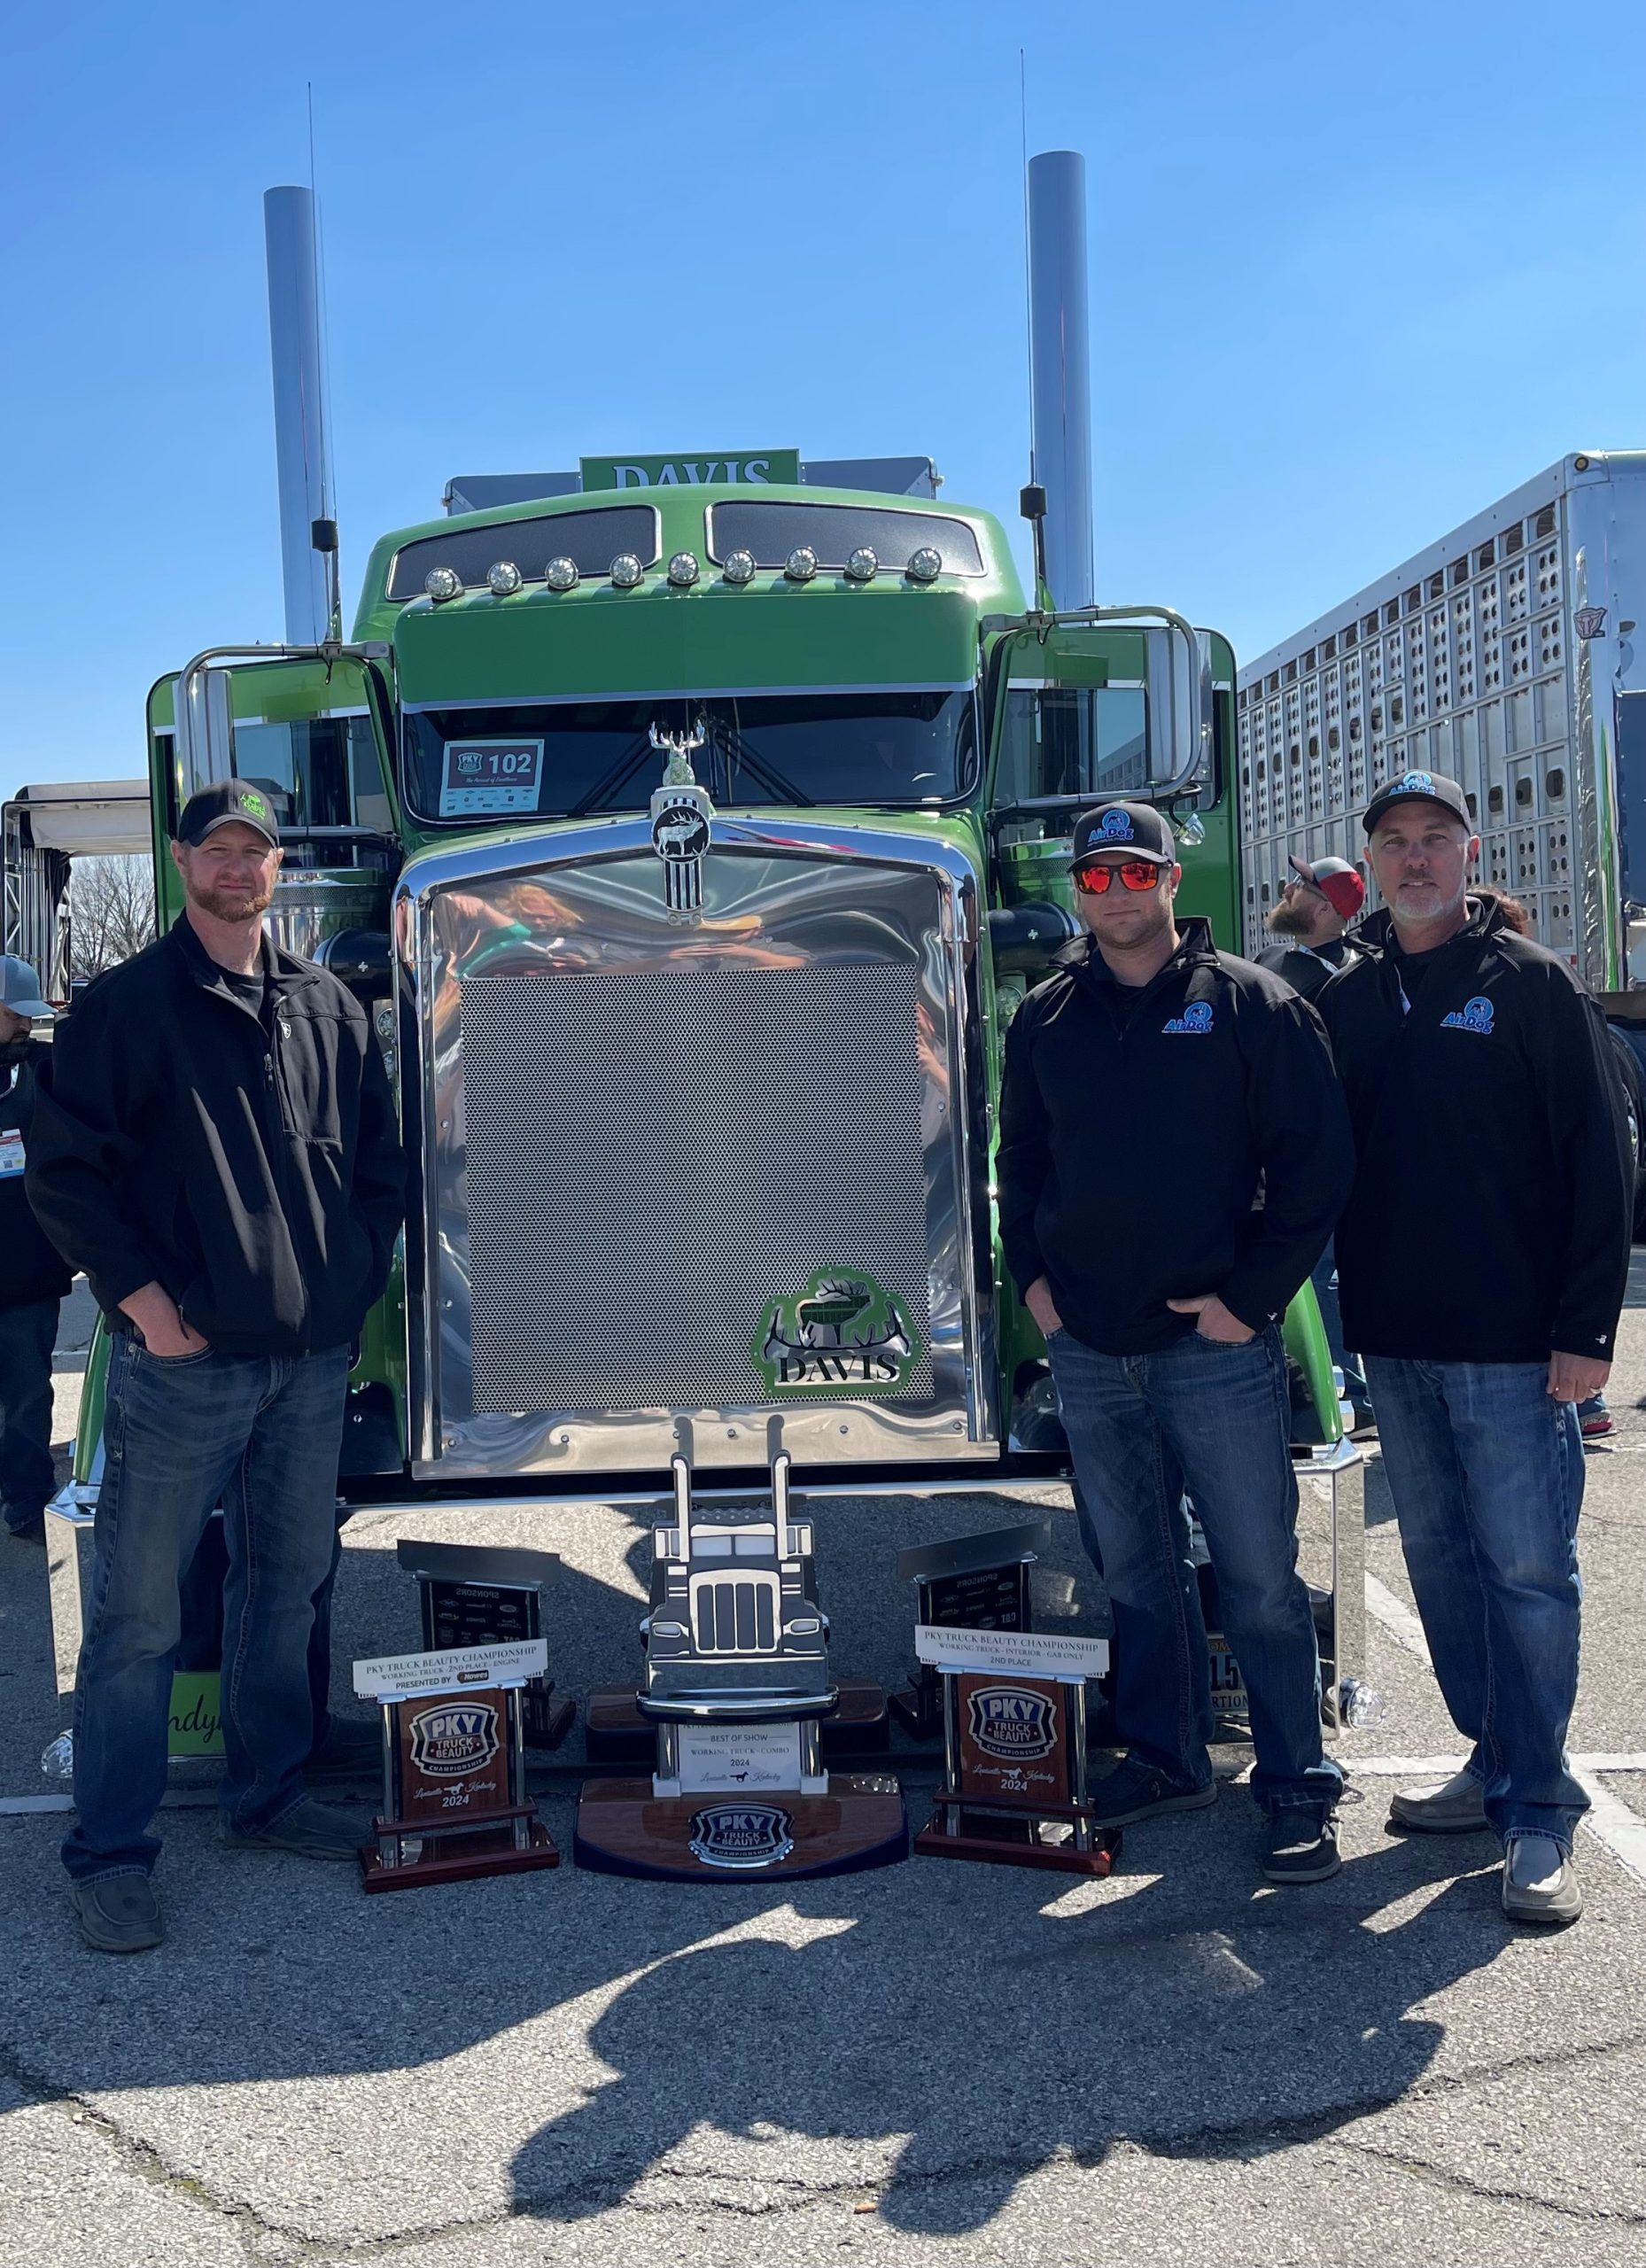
1196 1017
1117 827
456 1739
742 1835
1013 1723
1474 1015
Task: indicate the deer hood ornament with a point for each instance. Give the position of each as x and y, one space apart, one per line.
680 813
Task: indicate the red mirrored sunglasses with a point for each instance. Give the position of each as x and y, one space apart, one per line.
1136 874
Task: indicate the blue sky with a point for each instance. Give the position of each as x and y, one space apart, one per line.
1354 273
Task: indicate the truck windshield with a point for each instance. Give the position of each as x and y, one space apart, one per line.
561 759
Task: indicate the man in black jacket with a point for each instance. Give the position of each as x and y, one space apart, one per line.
1150 1086
33 1278
1311 917
1483 1256
216 1144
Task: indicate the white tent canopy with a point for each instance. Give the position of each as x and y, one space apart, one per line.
88 819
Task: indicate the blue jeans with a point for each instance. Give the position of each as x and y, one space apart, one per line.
263 1434
27 1334
1217 1419
1486 1475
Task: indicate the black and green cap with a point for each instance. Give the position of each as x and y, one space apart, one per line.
226 800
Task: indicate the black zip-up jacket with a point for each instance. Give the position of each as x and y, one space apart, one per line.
254 1173
1135 1124
32 1269
1494 1191
1307 969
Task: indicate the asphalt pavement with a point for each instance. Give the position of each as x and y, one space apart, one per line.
929 2064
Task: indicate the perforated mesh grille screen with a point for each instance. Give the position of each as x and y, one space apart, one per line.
655 1154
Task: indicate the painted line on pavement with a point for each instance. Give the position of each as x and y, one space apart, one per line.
1609 1819
1612 1824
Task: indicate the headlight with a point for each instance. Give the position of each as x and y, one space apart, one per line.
863 564
740 567
925 565
504 579
560 574
801 565
683 570
626 571
443 583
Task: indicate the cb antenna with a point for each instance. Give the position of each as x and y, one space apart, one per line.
324 533
1032 500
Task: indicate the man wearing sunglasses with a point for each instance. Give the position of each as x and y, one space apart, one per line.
1153 1085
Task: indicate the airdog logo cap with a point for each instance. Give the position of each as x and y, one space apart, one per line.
1139 829
223 802
1428 787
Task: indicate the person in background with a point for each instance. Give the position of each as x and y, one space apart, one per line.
34 1279
1311 917
1150 1085
215 1143
1484 1254
1595 1417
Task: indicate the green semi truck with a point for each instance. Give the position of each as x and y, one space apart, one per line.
693 844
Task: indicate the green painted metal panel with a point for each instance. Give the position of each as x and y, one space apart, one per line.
692 468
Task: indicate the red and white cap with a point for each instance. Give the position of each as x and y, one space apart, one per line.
1341 885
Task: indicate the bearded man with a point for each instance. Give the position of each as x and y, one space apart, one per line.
215 1143
1484 1254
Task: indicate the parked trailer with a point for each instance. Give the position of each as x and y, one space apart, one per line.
1505 655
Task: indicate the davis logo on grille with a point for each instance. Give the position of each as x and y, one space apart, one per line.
843 1334
742 1835
456 1739
1012 1722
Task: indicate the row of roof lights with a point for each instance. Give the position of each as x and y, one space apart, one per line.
739 567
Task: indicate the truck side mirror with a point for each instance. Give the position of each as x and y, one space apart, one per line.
205 728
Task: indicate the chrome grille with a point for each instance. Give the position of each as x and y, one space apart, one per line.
653 1155
734 1614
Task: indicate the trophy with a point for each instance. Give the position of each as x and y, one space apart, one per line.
1014 1750
482 1595
736 1693
455 1804
977 1582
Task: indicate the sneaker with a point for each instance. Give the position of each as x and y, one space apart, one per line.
1595 1425
1135 1790
1458 1806
311 1829
1301 1845
119 1914
1540 1882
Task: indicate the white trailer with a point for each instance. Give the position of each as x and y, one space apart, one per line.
1505 656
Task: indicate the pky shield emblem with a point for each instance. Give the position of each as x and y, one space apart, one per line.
1013 1722
742 1835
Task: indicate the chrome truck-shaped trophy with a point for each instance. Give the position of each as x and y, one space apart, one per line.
737 1690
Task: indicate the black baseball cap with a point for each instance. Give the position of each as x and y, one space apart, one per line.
1423 787
1136 828
225 800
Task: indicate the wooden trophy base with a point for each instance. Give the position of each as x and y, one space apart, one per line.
614 1732
1005 1841
458 1855
623 1828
